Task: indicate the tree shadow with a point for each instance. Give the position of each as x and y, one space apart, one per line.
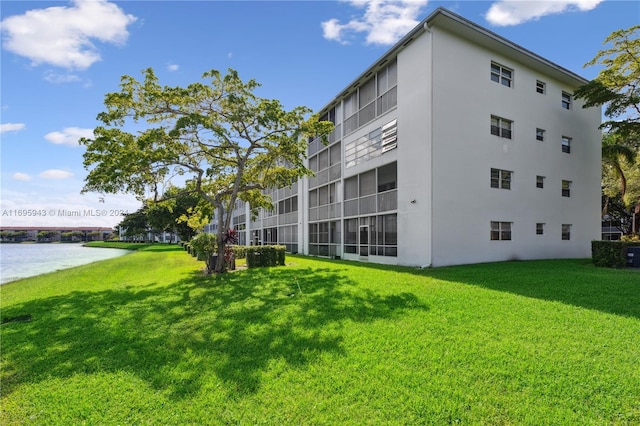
575 282
231 328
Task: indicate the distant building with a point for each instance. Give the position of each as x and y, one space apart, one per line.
456 146
49 234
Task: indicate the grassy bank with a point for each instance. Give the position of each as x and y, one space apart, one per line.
146 339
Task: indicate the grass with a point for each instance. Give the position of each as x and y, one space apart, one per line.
146 339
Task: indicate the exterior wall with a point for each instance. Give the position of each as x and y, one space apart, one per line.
415 153
464 204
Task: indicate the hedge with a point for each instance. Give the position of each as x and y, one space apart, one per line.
611 254
261 256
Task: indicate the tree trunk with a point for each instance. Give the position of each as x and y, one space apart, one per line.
220 266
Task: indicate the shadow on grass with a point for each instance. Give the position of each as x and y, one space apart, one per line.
225 331
571 281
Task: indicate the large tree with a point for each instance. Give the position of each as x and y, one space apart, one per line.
228 141
181 210
617 85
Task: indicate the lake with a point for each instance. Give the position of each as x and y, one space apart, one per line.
27 260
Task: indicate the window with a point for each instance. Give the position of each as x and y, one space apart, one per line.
566 231
500 231
566 144
566 188
368 183
501 74
501 179
541 87
539 181
540 135
387 176
351 188
372 144
501 127
389 136
566 100
539 228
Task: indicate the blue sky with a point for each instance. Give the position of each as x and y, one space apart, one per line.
59 59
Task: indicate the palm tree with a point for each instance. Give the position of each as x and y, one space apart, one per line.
614 153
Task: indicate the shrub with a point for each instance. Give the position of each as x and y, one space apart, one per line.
610 254
261 256
204 246
240 252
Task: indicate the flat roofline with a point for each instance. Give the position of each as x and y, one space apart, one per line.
462 26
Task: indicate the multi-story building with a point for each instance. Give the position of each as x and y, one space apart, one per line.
457 146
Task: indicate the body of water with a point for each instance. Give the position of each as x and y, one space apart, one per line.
27 260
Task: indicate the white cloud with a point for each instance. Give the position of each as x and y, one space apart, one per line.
53 77
69 136
63 36
173 67
384 21
55 174
11 127
514 12
21 176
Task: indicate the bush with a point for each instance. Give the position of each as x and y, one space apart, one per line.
261 256
204 246
610 254
240 252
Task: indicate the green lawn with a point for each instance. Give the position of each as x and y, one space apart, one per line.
146 339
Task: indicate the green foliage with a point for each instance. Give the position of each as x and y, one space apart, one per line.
204 246
240 252
230 143
610 254
263 256
616 86
136 224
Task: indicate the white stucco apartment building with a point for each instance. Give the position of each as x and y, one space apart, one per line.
457 146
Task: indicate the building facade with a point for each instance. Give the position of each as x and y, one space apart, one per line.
457 146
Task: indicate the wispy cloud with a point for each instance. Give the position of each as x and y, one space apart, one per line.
69 136
21 176
57 78
64 35
11 127
173 67
55 174
383 21
514 12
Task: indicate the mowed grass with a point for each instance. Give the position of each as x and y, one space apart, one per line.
146 339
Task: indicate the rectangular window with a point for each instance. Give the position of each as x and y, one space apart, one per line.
501 179
566 188
541 87
351 188
566 144
566 231
539 181
500 231
501 127
368 183
566 100
539 228
501 74
540 135
387 176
